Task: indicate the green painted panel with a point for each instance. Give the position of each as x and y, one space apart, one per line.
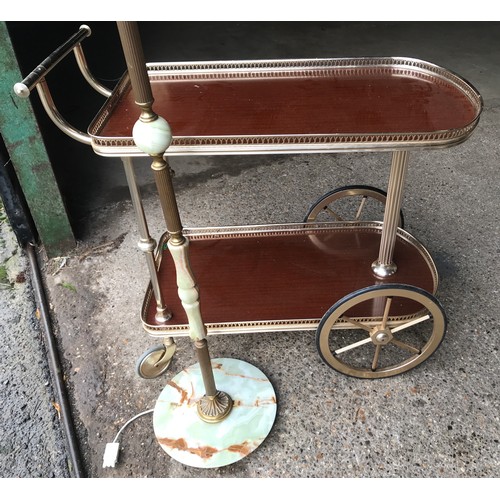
29 157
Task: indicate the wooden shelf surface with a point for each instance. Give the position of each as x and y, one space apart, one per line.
281 280
299 105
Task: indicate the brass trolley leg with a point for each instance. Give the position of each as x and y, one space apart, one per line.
146 243
385 266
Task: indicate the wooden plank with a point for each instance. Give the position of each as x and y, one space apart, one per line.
29 157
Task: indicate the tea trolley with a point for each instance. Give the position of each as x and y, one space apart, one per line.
349 270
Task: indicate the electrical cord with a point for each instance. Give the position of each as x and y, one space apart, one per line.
112 449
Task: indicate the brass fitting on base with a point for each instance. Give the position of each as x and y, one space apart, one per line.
215 405
213 409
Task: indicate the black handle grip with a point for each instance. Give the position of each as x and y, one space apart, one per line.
23 88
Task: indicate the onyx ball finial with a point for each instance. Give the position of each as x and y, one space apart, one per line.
152 137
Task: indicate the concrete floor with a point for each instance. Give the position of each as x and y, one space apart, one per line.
31 438
439 420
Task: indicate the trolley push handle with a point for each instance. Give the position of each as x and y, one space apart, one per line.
23 89
37 79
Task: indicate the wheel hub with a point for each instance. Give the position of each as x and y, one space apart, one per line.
381 336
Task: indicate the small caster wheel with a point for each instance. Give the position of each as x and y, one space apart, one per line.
155 361
350 203
381 331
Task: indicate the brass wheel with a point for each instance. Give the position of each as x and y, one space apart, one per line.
381 331
156 360
350 203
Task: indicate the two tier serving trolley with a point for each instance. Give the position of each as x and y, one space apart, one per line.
359 279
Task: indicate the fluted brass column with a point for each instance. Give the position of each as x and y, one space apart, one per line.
136 65
163 179
385 266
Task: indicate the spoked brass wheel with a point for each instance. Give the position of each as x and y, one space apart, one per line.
156 360
381 331
350 203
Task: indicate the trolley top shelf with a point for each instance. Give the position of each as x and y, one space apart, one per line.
294 106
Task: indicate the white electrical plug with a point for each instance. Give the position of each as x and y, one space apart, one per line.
111 455
113 449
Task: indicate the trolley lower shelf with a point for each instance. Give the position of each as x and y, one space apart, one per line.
282 277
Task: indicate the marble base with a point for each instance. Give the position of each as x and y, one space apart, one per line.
191 441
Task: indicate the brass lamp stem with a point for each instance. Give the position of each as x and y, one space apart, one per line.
152 135
136 65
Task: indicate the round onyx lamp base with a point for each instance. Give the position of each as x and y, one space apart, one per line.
195 442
